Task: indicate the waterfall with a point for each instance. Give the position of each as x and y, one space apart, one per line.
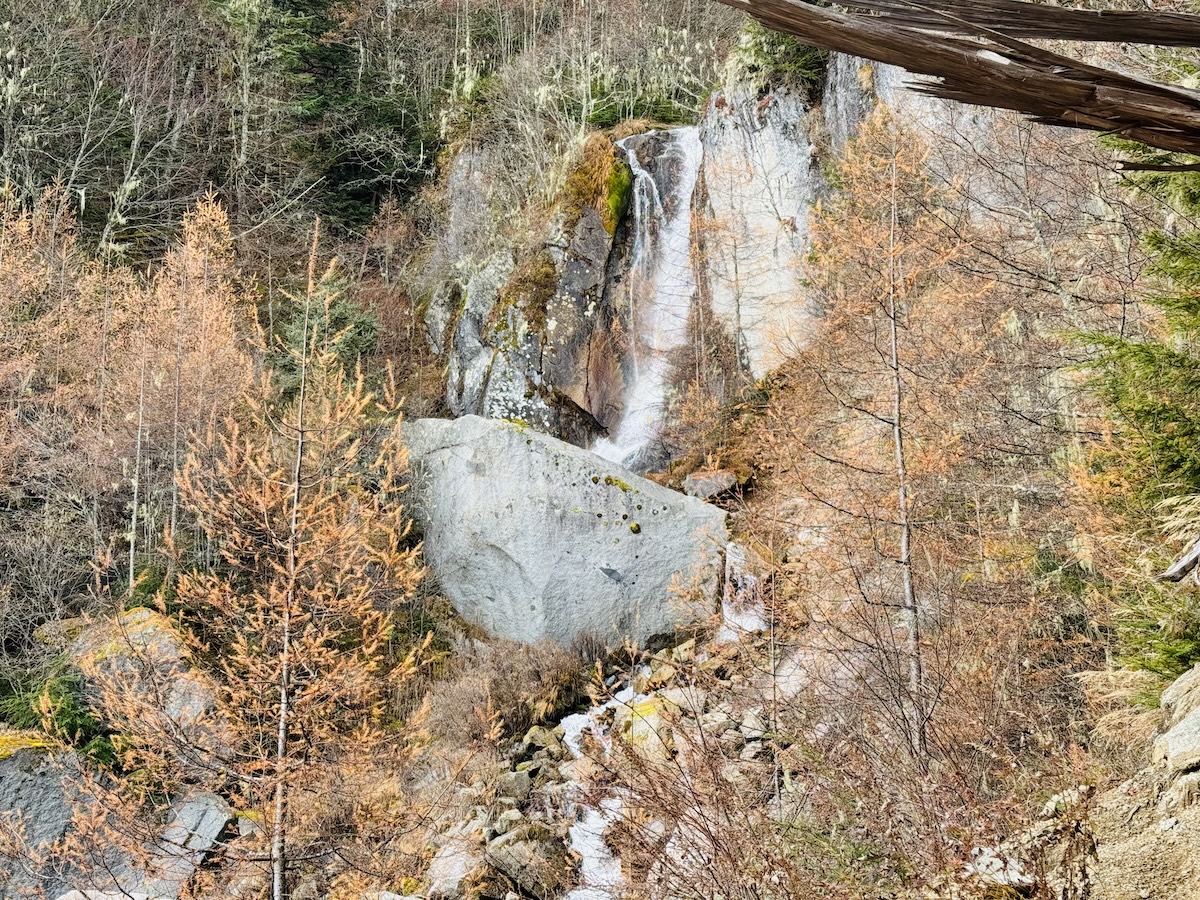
659 289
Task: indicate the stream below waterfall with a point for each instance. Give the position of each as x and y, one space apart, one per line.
599 870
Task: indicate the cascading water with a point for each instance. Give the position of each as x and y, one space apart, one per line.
660 288
600 875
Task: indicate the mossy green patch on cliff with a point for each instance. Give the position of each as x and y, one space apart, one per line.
530 290
618 193
597 180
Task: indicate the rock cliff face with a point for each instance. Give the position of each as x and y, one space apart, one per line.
527 332
760 179
535 539
580 335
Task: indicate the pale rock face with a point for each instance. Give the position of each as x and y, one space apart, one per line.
533 539
1179 747
32 794
760 180
140 656
471 357
848 97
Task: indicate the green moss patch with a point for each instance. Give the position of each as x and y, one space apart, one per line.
599 179
14 741
530 289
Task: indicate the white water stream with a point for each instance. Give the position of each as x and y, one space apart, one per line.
659 289
599 870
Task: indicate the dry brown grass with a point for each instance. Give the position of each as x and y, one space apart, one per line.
499 689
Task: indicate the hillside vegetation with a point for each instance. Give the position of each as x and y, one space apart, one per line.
226 229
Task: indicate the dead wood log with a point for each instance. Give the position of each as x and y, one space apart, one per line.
981 63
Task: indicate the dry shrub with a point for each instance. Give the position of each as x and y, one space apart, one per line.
1124 703
500 689
384 287
698 820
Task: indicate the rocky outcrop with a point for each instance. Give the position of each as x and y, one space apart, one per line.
164 866
35 805
760 178
137 667
525 329
532 538
1179 746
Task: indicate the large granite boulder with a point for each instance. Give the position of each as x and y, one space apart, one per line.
532 538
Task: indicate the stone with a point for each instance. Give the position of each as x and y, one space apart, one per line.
707 485
470 366
661 676
514 784
644 724
688 699
743 602
1182 697
581 359
994 868
507 821
1183 792
32 796
450 867
752 751
1179 748
537 863
753 726
534 539
195 826
685 652
541 737
140 658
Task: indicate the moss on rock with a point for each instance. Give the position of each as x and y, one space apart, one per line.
14 741
530 290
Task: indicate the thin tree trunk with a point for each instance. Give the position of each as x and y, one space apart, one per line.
278 836
181 299
916 676
137 469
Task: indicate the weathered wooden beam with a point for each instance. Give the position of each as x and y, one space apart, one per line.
1031 21
986 66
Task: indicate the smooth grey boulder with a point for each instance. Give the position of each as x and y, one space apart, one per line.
533 539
